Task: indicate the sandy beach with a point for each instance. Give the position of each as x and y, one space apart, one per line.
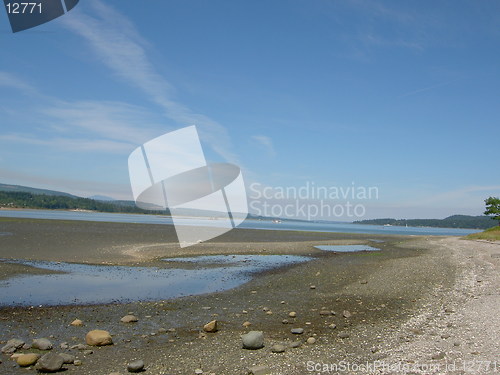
423 305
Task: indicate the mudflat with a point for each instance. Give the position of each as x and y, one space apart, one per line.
421 304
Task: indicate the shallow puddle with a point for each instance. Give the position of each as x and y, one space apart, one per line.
91 284
346 248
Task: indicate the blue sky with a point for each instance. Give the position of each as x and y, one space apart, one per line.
403 96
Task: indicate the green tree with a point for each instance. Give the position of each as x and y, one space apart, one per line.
493 208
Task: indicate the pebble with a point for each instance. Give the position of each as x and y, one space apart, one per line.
50 362
333 326
77 362
135 366
76 323
292 314
253 340
295 344
325 312
259 370
312 287
79 347
284 321
297 331
211 327
129 319
12 345
445 336
88 352
438 356
198 371
343 335
247 324
363 282
41 344
98 337
311 340
64 345
346 314
25 360
278 348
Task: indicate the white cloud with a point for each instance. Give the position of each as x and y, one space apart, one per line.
120 47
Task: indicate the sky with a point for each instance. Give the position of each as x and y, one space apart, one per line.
400 96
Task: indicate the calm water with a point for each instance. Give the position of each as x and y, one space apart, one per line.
248 224
346 248
90 284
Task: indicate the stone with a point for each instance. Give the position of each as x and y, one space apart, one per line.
12 345
259 370
311 340
297 331
129 319
135 366
77 362
438 356
211 327
198 371
79 347
363 282
295 344
278 348
332 326
88 352
247 324
346 314
292 314
50 362
68 358
325 312
29 359
312 287
253 340
76 323
284 321
64 345
41 344
98 337
343 335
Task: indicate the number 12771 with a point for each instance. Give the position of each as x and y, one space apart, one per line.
24 8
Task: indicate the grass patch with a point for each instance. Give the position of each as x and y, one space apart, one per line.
492 234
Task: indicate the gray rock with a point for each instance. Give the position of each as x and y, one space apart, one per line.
135 366
343 335
297 331
12 345
253 340
50 362
278 348
295 344
41 344
68 358
259 370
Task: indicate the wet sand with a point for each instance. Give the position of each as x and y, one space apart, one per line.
402 300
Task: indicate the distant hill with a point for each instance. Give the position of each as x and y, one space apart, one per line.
454 221
101 198
27 189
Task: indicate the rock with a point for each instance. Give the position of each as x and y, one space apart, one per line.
343 335
438 356
259 370
25 360
311 340
253 340
292 314
98 337
41 344
77 362
325 312
129 319
50 362
284 321
135 366
68 358
210 327
247 324
278 348
297 331
76 323
12 345
295 344
346 314
332 326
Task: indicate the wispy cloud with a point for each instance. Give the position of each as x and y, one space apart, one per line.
119 46
266 143
428 88
11 81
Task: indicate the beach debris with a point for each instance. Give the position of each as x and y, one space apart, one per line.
292 314
297 331
50 362
25 360
211 327
259 370
311 340
343 335
135 366
253 340
98 337
129 319
12 345
278 348
41 344
76 323
68 358
346 314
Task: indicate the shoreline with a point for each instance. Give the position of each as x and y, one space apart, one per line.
400 304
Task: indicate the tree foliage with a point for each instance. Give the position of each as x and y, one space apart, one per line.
493 208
